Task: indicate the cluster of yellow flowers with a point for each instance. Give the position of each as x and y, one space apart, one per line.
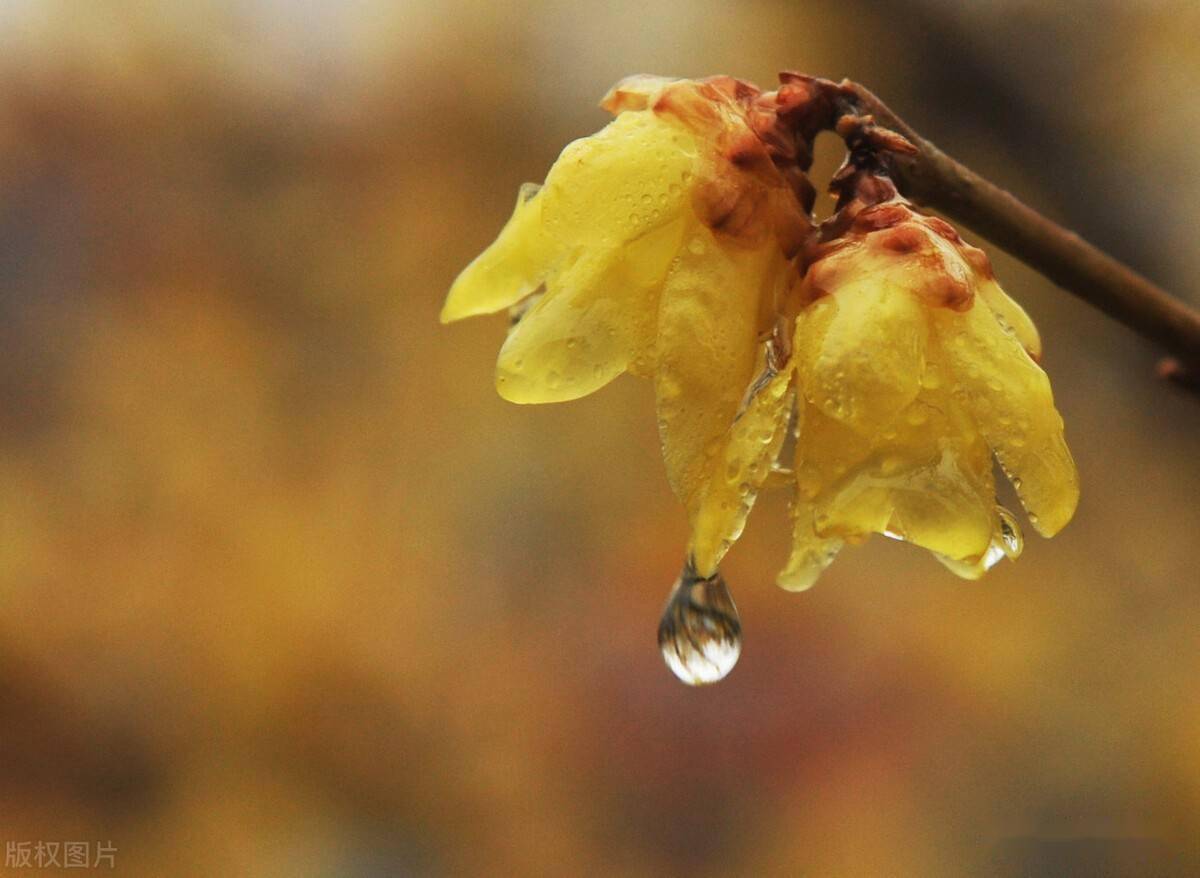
678 244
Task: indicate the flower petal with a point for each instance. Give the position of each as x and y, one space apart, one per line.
938 472
1010 400
810 554
749 449
924 478
636 92
706 352
1012 317
867 365
509 270
596 320
627 179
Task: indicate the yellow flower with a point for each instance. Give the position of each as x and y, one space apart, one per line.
677 244
915 367
662 246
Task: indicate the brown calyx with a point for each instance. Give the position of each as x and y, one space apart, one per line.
755 182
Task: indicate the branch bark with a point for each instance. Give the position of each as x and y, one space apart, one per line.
931 178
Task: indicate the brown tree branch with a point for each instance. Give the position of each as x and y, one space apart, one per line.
931 178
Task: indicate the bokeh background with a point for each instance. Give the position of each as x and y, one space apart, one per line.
286 589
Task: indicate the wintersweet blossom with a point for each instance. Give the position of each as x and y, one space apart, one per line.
677 244
915 368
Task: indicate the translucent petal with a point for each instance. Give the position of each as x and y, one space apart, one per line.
627 179
1009 398
925 478
747 453
810 554
706 353
938 473
867 365
510 269
596 319
1006 542
1011 316
635 92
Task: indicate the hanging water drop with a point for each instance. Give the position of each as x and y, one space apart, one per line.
700 634
1011 540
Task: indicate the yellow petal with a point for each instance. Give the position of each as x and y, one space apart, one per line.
748 451
1012 317
811 553
938 472
512 268
925 478
706 352
1006 542
867 365
1010 400
596 319
635 92
622 182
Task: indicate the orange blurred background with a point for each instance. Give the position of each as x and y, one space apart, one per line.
286 589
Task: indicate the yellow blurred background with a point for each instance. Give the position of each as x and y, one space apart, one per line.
286 589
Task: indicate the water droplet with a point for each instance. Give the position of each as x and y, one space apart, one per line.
700 634
891 464
1011 540
992 556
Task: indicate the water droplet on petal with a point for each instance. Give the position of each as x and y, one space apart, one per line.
700 634
1011 540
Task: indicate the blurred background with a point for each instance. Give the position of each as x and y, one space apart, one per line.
286 589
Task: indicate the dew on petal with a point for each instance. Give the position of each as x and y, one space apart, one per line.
1010 534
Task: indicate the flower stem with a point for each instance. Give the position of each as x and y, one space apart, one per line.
932 178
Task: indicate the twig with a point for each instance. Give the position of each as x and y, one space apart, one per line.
930 177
